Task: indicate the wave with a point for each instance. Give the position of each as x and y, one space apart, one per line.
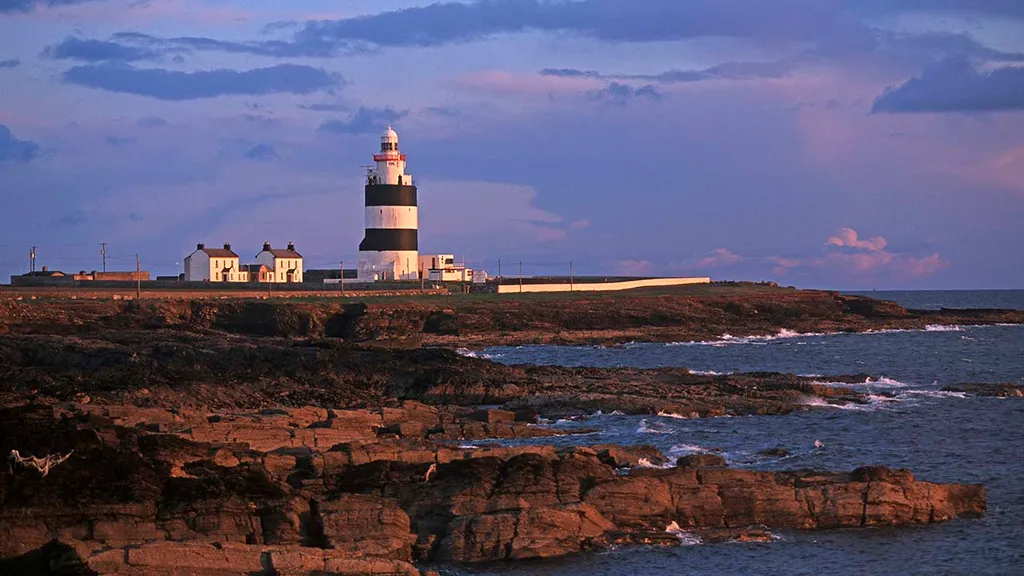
881 382
708 373
685 538
645 463
475 354
684 450
653 428
673 415
935 393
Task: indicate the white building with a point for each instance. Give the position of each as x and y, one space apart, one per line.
442 268
390 247
282 265
213 265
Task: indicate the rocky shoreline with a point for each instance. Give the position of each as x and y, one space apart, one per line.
311 490
273 437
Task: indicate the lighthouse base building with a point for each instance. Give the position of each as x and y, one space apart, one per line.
390 246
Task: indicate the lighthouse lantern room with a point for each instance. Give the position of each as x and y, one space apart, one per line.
390 247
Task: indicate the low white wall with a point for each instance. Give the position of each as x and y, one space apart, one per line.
599 286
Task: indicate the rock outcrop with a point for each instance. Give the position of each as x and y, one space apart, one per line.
685 314
138 500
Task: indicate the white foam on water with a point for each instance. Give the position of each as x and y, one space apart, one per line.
817 402
475 354
685 538
881 382
673 415
942 328
684 449
708 373
936 393
645 463
652 428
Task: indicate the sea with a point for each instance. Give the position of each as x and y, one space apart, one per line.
910 423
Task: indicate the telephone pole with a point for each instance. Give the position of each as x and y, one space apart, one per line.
32 259
138 277
520 276
103 253
570 276
341 280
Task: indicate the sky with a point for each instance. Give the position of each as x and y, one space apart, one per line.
839 144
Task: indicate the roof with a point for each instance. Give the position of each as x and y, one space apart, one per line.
219 252
279 253
254 267
390 135
46 273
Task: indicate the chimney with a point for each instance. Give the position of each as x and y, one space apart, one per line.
227 246
200 246
291 246
46 269
266 246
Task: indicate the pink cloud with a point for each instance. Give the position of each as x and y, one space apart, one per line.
719 258
580 224
782 265
634 267
502 82
1007 168
848 237
549 234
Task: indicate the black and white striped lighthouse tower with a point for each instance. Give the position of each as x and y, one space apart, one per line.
390 248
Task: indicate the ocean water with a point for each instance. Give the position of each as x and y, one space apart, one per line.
941 436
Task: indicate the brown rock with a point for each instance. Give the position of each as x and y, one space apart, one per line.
701 461
366 526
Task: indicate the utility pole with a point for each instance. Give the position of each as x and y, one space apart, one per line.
341 280
138 277
520 276
103 253
570 276
499 270
32 259
422 280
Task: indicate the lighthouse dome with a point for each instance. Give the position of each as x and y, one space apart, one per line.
389 135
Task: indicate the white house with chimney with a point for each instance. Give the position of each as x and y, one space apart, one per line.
213 265
283 265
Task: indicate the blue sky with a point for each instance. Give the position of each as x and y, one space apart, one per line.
819 143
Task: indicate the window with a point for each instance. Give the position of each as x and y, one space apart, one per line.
232 276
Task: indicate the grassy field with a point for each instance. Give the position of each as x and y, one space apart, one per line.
392 296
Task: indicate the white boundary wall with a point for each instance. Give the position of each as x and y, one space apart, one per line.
599 286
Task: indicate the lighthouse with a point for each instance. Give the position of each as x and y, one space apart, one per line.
390 247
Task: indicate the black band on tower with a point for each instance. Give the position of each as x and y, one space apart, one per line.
380 239
390 195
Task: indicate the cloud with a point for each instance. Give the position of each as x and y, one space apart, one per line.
620 94
719 258
12 63
325 107
30 5
364 121
151 122
848 237
171 85
262 152
871 257
954 85
579 224
724 71
118 141
71 48
634 267
14 150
